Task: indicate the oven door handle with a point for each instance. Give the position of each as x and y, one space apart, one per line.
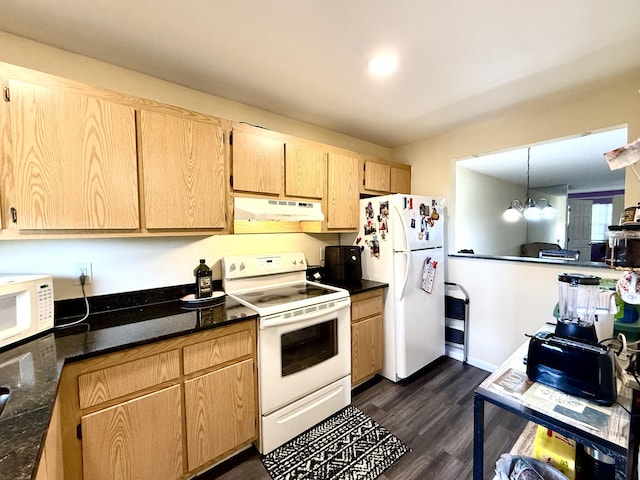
281 320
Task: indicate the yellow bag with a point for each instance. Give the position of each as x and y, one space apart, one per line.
556 450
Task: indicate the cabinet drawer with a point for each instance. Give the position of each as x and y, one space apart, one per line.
217 351
366 307
112 382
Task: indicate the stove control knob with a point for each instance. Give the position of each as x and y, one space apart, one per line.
232 267
242 266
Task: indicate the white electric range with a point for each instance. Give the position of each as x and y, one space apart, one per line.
304 347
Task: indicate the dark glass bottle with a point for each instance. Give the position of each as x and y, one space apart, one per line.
204 284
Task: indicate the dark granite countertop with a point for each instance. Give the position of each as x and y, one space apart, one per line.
32 369
358 287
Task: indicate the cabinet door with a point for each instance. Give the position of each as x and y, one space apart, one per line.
305 170
377 176
258 163
75 163
400 180
141 438
220 412
366 348
51 463
183 172
6 162
342 192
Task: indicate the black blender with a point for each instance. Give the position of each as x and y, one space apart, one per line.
571 358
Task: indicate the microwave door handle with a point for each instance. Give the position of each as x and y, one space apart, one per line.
300 318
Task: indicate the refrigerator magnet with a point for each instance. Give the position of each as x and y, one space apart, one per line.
368 210
375 247
428 274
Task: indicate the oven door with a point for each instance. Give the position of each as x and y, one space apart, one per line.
301 355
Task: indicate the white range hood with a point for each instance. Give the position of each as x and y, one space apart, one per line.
265 209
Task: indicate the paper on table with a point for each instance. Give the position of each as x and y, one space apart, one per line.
552 400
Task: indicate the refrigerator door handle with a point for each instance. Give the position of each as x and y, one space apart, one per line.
400 291
403 227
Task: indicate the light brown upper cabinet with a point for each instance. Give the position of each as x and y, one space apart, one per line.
74 160
377 176
305 169
182 171
6 155
383 178
401 179
342 192
258 161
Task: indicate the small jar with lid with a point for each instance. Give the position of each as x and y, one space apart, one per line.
623 246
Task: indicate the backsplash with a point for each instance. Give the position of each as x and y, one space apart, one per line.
132 264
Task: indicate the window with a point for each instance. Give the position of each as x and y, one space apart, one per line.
600 221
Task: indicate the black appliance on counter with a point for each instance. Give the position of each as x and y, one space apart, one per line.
573 366
342 264
571 359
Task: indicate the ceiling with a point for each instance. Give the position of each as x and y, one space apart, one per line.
458 61
576 161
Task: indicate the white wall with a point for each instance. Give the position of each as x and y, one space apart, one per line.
480 201
506 301
121 265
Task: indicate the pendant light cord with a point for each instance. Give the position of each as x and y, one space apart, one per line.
528 169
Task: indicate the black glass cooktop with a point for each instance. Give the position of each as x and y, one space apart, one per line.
282 294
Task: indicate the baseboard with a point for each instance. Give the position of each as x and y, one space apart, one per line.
489 367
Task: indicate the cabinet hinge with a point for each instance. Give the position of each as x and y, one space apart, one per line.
79 431
231 138
14 215
231 180
7 94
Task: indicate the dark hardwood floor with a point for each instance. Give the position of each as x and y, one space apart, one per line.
432 413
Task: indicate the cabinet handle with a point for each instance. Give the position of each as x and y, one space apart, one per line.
7 94
14 215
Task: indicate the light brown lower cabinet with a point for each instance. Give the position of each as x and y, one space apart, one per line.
163 411
367 335
140 438
220 412
50 466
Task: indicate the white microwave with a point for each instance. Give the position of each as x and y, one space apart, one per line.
26 306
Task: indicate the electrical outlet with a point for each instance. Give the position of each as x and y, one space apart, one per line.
322 254
82 269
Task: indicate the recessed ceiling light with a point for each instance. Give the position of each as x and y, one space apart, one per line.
383 65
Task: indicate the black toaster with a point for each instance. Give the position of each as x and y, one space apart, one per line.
578 368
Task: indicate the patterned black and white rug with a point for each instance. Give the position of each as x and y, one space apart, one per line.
349 445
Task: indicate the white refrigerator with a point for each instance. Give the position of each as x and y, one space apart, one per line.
401 243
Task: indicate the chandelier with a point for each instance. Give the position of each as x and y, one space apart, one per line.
529 210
